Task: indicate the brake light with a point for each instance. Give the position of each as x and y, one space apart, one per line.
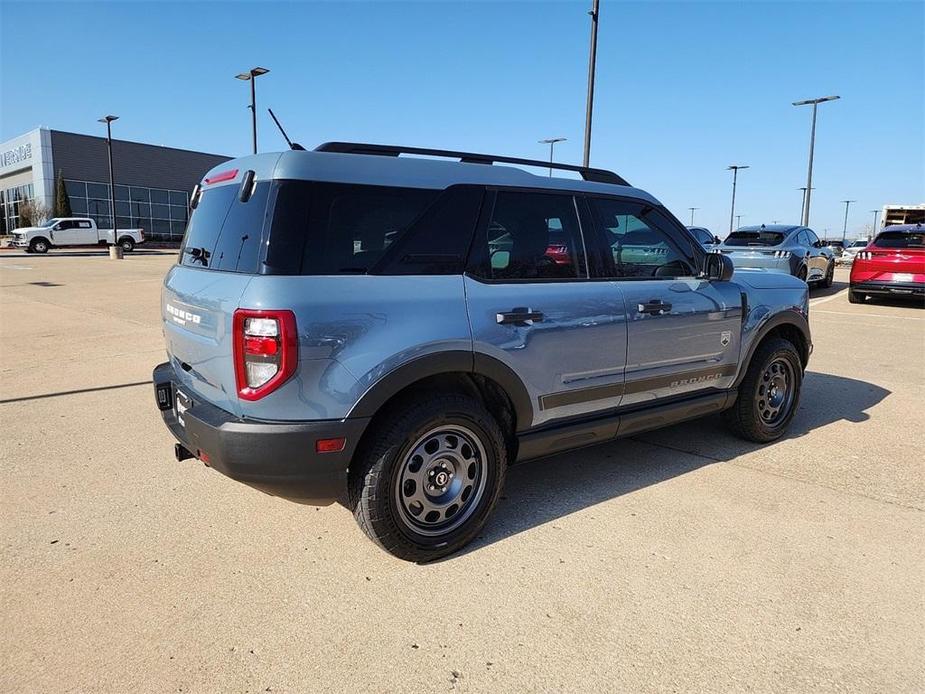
781 254
864 255
266 351
228 175
141 234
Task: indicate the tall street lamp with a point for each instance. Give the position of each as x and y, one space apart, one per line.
592 63
252 76
739 221
112 185
812 145
692 214
552 143
803 204
735 175
873 229
844 230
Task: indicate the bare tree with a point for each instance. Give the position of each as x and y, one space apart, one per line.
33 211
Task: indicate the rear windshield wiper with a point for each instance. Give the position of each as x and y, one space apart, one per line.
200 254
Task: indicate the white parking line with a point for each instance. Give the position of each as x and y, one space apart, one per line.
816 302
870 315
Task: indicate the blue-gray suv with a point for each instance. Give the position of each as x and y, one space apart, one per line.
354 324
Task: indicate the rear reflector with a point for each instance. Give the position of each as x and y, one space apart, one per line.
330 445
228 175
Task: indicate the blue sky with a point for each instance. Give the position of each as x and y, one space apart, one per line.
683 89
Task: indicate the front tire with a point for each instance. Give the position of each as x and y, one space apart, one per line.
826 281
429 477
769 394
39 246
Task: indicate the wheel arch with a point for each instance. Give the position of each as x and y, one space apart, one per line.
494 381
790 325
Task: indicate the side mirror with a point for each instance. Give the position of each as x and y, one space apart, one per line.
718 267
717 240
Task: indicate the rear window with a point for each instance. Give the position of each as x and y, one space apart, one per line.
754 238
900 239
224 233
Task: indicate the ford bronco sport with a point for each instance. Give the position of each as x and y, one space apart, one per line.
391 332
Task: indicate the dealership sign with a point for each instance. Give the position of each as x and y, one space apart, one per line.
16 155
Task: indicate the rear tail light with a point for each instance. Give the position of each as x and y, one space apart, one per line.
864 255
141 234
266 351
781 254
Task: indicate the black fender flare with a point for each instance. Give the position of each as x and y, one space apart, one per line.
787 317
449 361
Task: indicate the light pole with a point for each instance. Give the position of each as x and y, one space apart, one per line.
803 204
692 214
735 175
874 227
739 220
552 143
592 63
252 76
812 145
112 185
844 230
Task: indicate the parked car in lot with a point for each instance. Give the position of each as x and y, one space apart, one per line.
391 332
852 249
62 232
893 265
705 237
793 250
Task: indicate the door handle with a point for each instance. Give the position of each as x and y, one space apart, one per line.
519 316
655 307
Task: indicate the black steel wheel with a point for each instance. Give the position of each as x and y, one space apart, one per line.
769 394
428 475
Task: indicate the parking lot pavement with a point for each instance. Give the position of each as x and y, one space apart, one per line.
676 560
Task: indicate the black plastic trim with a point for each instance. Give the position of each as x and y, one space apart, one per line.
788 317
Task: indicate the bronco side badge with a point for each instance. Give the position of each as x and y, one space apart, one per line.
725 338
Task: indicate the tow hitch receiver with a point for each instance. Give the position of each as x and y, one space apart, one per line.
181 453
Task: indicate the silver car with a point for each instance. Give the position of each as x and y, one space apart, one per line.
793 250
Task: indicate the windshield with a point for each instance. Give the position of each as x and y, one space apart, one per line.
754 238
50 222
859 244
900 239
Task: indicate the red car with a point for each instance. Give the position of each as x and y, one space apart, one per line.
892 265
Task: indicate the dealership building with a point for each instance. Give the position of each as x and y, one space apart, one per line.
152 189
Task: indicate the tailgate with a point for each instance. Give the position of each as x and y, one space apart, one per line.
197 308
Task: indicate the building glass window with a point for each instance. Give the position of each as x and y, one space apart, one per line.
10 200
164 220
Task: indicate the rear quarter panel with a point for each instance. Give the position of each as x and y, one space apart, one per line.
353 331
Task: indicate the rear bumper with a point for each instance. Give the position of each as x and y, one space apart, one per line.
278 458
898 289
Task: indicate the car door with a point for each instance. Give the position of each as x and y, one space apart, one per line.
64 233
533 306
682 331
85 234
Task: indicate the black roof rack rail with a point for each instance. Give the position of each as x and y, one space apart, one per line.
588 174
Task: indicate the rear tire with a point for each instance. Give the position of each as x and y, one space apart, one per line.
856 297
127 244
39 246
428 477
801 273
769 394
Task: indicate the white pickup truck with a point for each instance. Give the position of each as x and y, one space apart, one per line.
72 231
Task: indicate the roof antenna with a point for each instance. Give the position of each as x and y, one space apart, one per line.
292 145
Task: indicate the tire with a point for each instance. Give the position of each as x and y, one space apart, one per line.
776 362
127 244
446 439
826 281
856 297
801 273
39 246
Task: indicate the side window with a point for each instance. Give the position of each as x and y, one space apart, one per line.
636 244
83 225
811 237
531 236
802 238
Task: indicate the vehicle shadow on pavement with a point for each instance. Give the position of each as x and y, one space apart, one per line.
541 491
820 292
